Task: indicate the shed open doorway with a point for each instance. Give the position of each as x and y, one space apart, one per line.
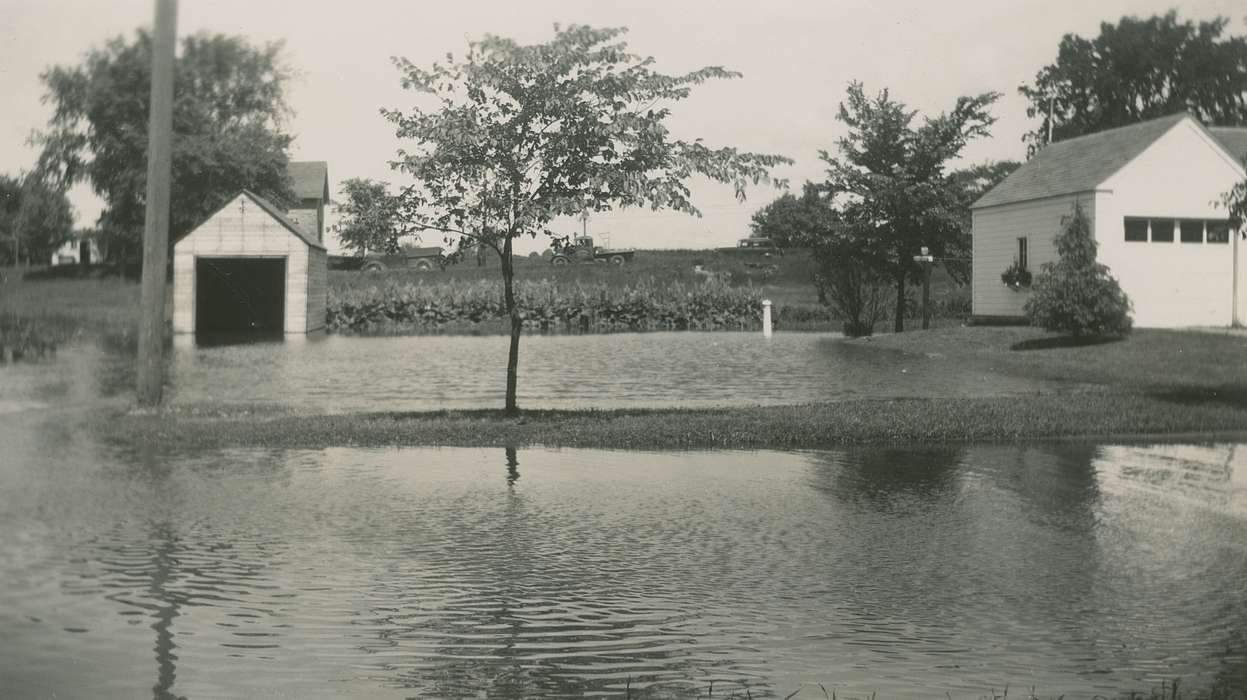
240 296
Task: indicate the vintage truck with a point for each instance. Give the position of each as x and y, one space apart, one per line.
581 249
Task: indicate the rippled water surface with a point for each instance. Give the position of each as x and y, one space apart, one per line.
337 374
627 370
126 572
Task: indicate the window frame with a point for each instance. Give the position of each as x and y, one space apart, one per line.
1220 240
1147 225
1182 228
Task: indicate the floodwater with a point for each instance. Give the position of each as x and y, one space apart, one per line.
331 374
134 570
126 571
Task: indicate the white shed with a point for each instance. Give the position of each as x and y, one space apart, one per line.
247 268
1152 194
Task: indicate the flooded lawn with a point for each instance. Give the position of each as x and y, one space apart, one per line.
339 374
487 572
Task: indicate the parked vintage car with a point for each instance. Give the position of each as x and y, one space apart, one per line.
764 247
410 257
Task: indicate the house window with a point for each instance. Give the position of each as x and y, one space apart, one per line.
1160 235
1162 230
1022 253
1136 229
1218 232
1192 231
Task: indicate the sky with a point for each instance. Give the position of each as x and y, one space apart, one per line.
796 59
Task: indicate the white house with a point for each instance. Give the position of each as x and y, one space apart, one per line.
79 250
1151 192
249 267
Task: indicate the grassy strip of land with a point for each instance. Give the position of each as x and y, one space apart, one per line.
1075 414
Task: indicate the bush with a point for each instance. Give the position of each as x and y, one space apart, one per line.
851 291
1077 295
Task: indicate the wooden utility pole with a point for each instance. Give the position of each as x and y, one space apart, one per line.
156 222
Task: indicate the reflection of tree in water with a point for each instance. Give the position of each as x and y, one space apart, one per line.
521 631
882 475
158 557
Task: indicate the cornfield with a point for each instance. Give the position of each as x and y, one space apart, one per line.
546 306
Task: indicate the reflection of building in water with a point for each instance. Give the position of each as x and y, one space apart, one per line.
1211 475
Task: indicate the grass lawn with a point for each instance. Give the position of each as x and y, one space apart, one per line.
1180 365
96 301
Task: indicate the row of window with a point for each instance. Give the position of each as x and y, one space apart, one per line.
1139 229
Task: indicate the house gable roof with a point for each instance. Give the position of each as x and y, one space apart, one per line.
269 209
1079 164
310 179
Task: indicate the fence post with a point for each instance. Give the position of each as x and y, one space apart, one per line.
766 318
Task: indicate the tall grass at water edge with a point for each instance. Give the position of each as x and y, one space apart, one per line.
546 305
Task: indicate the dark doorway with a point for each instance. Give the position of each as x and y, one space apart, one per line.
84 253
240 295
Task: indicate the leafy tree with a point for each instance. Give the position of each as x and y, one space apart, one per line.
35 219
845 278
851 287
976 180
1077 295
890 184
229 112
789 220
514 136
1136 70
972 183
370 217
1235 202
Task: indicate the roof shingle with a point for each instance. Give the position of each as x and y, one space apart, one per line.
1234 138
1079 164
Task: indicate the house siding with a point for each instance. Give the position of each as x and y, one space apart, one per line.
1172 284
995 234
243 229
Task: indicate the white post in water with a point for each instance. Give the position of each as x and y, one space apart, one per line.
766 318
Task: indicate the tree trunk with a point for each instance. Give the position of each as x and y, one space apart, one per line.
899 324
513 356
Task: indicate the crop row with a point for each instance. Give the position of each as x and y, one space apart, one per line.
546 305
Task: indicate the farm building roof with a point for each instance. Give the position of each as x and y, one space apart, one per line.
310 178
1234 138
1078 164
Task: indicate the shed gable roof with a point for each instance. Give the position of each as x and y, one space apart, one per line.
1079 164
310 179
269 209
